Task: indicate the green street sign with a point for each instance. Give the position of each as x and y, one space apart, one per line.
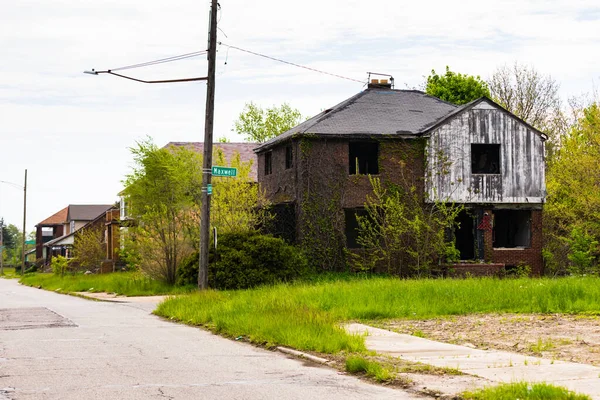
209 189
224 171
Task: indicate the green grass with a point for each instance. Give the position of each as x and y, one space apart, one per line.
123 283
524 391
307 316
9 273
372 369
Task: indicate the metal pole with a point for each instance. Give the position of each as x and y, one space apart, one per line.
24 220
207 158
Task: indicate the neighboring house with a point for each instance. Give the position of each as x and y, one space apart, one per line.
478 154
55 235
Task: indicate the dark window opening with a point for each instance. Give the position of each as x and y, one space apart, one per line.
464 234
485 158
289 157
283 224
352 226
512 228
363 157
268 163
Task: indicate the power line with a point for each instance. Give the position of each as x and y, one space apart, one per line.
290 63
162 60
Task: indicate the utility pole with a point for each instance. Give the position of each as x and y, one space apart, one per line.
24 220
208 139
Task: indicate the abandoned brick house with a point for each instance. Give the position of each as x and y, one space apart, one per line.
492 161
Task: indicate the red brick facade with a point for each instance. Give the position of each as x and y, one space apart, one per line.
321 168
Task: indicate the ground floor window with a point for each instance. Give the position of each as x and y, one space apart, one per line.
283 224
512 228
351 229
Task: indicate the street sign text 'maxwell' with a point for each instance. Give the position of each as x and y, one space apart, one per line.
224 171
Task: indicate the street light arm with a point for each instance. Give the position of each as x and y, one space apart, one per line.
94 72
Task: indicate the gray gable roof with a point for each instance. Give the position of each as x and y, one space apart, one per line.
373 112
86 212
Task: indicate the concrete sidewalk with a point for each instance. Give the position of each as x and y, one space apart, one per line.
495 366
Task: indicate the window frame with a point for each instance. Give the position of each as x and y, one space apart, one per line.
289 157
495 150
268 163
372 155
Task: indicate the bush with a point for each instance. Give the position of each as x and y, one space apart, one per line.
246 260
60 265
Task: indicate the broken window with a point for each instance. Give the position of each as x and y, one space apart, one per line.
512 228
352 226
363 157
289 157
485 158
268 163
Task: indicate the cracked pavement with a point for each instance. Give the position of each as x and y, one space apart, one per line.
121 351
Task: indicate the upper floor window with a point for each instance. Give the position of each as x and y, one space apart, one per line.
289 157
364 158
485 158
268 163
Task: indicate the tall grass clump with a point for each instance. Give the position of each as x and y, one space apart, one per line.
360 365
524 391
309 316
124 283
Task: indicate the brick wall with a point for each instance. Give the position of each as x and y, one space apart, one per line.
531 256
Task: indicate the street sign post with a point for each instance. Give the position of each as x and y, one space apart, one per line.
224 171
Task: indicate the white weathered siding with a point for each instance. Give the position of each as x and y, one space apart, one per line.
521 178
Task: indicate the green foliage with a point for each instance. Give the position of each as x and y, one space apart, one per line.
123 283
13 243
524 391
308 316
88 249
583 251
401 232
164 193
455 87
246 260
259 125
372 369
60 265
572 211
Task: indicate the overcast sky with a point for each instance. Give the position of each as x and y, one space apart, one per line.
73 131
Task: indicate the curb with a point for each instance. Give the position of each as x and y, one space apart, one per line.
304 355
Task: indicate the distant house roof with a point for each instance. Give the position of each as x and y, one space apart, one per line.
373 112
56 219
86 212
229 150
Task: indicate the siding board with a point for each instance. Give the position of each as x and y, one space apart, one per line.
521 178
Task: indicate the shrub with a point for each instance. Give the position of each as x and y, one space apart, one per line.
245 260
60 265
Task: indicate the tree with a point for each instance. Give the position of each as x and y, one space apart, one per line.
572 212
259 125
163 194
530 96
455 87
88 250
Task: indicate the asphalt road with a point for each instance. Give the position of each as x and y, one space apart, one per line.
62 347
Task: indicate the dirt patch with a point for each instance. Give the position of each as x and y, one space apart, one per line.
559 337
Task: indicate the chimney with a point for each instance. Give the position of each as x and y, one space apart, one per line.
380 84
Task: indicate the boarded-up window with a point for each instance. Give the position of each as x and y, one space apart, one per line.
363 158
512 228
485 158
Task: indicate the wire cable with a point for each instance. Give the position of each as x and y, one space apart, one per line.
290 63
162 60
